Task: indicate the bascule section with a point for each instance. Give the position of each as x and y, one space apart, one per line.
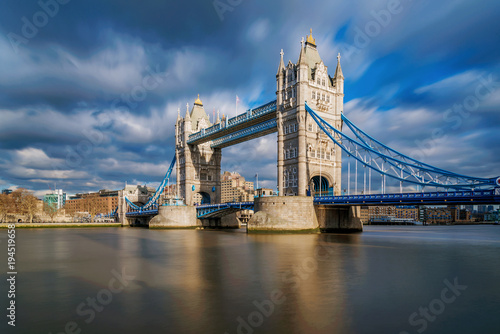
199 164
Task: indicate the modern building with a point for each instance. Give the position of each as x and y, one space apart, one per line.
56 199
7 191
234 188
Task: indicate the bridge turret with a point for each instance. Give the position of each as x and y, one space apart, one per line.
187 122
309 160
280 78
338 79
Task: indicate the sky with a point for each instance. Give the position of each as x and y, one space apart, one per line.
89 90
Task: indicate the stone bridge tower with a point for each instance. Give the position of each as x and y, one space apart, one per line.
308 161
198 166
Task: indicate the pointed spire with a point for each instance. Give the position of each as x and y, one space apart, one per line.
178 114
302 56
188 117
218 117
282 63
338 70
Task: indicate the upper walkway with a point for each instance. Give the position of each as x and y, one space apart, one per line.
254 123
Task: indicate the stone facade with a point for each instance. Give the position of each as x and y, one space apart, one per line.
173 217
306 156
198 166
277 214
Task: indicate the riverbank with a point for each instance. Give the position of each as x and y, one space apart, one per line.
60 225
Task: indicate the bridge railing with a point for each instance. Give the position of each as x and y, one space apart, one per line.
239 119
426 196
261 127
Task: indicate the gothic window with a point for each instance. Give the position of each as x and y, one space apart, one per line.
314 95
323 82
327 155
285 129
295 127
328 98
290 129
310 127
287 154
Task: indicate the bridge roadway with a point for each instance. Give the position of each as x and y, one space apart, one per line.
425 198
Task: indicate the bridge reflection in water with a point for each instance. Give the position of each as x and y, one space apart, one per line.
188 281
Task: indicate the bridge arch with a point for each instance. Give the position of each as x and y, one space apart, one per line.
202 198
320 184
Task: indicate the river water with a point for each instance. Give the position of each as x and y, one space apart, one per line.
132 280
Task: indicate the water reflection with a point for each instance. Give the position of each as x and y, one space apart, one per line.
230 282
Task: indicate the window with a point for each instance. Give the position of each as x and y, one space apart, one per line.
323 82
314 95
328 98
295 127
310 127
285 128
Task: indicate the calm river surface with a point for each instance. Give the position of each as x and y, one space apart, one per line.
134 280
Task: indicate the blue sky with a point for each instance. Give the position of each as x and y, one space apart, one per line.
89 90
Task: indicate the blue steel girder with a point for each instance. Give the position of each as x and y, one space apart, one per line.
252 132
142 213
425 198
249 118
392 165
219 210
153 200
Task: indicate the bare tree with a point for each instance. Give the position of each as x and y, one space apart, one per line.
51 210
6 206
25 203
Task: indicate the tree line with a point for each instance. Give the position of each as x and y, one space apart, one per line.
22 202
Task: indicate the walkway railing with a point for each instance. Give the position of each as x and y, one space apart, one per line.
232 122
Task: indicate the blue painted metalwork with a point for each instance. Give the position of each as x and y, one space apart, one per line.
153 200
260 128
142 213
206 211
396 165
427 198
249 115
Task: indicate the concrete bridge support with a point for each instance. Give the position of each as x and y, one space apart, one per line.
339 219
175 217
227 221
283 214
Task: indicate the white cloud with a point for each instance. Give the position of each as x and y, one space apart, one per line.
455 82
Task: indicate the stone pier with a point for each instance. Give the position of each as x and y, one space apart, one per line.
338 218
283 214
225 222
175 217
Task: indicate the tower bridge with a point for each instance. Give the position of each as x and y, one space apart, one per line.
308 118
